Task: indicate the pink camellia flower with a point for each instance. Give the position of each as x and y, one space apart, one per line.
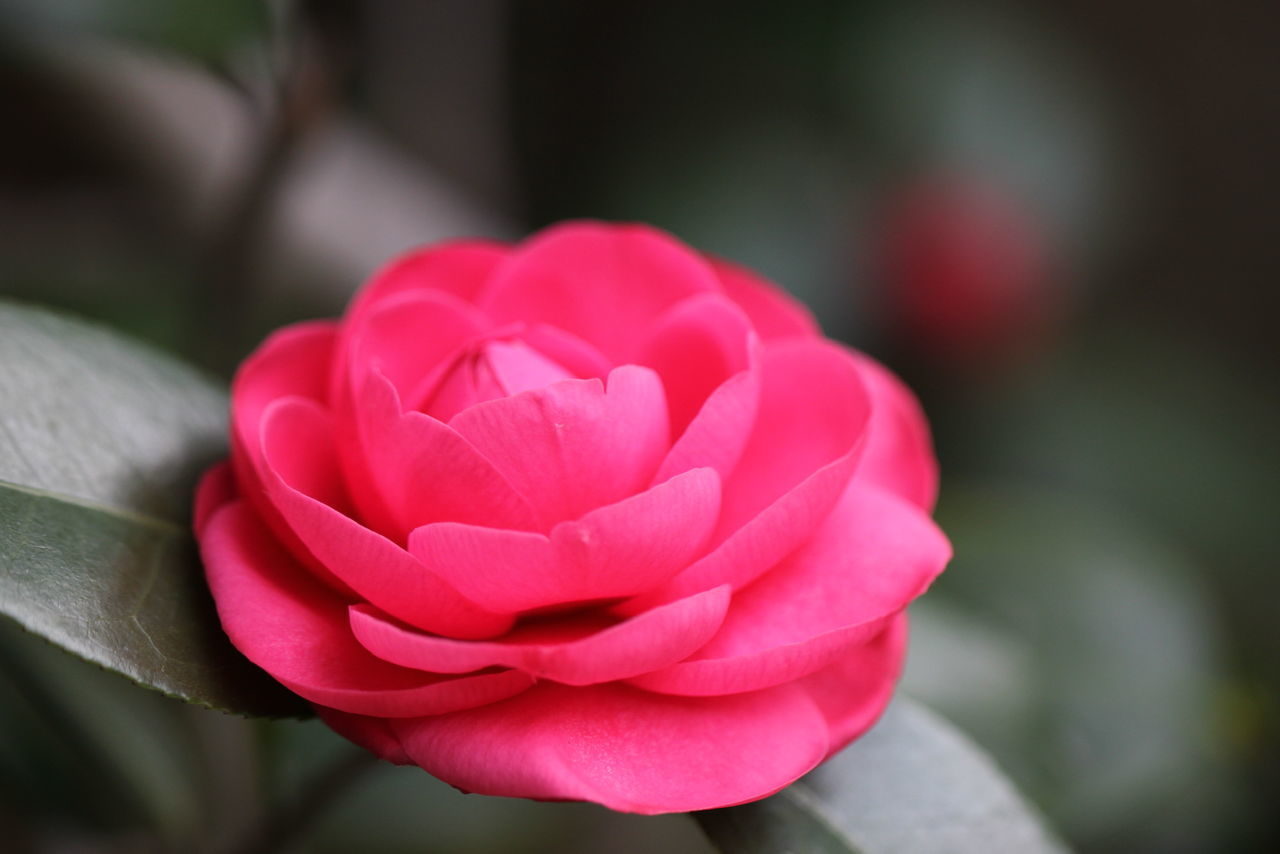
593 517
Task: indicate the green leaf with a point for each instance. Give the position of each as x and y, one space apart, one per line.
912 785
101 441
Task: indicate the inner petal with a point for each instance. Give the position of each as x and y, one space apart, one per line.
489 370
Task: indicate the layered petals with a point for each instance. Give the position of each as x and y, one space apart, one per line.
574 445
875 553
570 650
424 471
391 341
374 567
615 551
295 629
801 454
854 690
695 347
624 748
602 283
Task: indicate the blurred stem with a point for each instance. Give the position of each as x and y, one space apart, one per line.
284 826
303 98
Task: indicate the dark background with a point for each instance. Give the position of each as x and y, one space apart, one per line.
1057 220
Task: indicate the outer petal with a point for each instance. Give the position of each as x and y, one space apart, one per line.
296 630
774 313
617 746
616 550
377 569
695 347
460 268
574 445
605 283
873 556
854 690
812 416
292 362
567 650
899 454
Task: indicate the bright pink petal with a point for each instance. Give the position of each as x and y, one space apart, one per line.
808 432
719 431
573 651
489 370
873 556
217 487
424 471
296 630
774 313
854 690
460 268
898 454
614 551
295 444
604 283
576 355
575 445
696 346
411 339
624 748
292 362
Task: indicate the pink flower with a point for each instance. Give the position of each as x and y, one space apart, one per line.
591 518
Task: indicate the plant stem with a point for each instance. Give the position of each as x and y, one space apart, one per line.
284 826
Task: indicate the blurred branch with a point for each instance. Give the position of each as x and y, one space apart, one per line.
347 202
301 100
283 826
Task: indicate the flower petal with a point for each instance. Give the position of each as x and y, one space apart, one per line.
802 452
614 551
562 649
410 339
577 356
461 268
773 312
295 439
696 346
873 556
423 471
898 454
604 283
618 746
296 630
855 689
292 362
577 444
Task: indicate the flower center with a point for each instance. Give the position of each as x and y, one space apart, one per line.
487 370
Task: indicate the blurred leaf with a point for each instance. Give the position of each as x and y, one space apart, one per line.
86 747
1083 654
912 785
100 444
391 809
